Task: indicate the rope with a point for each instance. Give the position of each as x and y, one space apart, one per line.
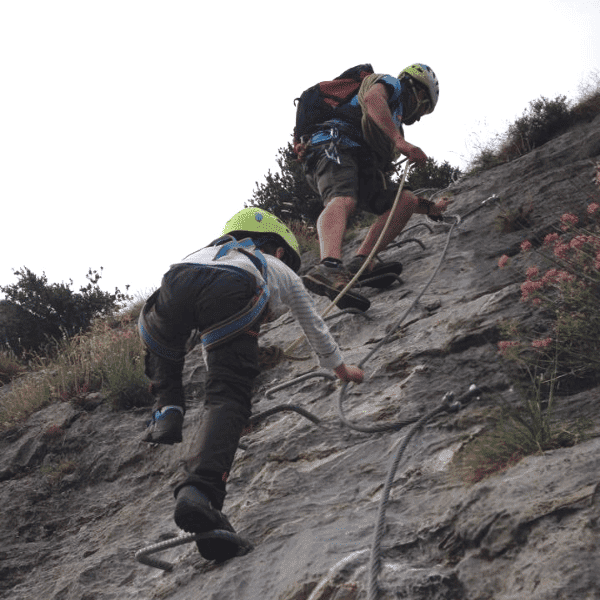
392 332
283 408
325 374
374 251
143 555
375 562
446 405
337 567
378 141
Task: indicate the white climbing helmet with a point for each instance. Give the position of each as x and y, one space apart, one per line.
425 76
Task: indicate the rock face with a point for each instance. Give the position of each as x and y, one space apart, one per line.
80 494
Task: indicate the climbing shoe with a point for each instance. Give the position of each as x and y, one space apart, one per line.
195 514
330 281
382 276
165 426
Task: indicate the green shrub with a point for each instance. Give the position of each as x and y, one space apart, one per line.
543 120
432 175
63 311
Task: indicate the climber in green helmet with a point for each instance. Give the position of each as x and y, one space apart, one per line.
346 167
224 291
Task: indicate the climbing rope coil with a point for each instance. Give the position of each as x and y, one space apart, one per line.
447 404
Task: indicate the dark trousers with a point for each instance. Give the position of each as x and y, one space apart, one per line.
194 297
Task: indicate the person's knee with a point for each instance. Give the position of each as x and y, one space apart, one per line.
348 203
344 204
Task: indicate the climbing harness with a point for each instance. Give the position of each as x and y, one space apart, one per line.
243 320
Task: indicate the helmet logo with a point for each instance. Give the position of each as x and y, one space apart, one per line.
258 217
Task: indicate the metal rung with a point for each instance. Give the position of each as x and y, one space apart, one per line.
143 555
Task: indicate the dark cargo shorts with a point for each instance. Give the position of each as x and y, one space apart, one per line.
354 177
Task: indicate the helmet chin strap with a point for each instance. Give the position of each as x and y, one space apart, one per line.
412 117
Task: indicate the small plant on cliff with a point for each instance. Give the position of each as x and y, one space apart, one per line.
55 473
509 220
565 286
563 352
10 366
519 432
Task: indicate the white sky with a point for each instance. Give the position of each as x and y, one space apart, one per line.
130 130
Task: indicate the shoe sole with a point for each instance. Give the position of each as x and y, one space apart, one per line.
194 519
382 276
380 282
222 545
348 300
168 439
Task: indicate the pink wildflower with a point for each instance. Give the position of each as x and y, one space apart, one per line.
503 261
550 276
551 238
530 287
578 242
504 346
593 207
536 301
597 263
532 272
567 220
565 276
542 343
561 250
526 245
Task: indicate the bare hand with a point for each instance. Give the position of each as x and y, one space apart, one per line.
349 373
300 150
439 207
416 156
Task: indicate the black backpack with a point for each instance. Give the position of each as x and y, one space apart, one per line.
329 99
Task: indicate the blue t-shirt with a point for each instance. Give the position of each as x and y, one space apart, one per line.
338 127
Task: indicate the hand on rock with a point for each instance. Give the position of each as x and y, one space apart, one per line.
349 373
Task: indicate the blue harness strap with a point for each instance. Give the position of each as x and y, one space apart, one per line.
244 320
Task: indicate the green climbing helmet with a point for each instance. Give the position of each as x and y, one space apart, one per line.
426 77
256 220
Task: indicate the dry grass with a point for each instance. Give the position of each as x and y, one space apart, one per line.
107 358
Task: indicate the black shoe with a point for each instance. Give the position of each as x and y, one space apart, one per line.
326 281
165 426
382 276
195 514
